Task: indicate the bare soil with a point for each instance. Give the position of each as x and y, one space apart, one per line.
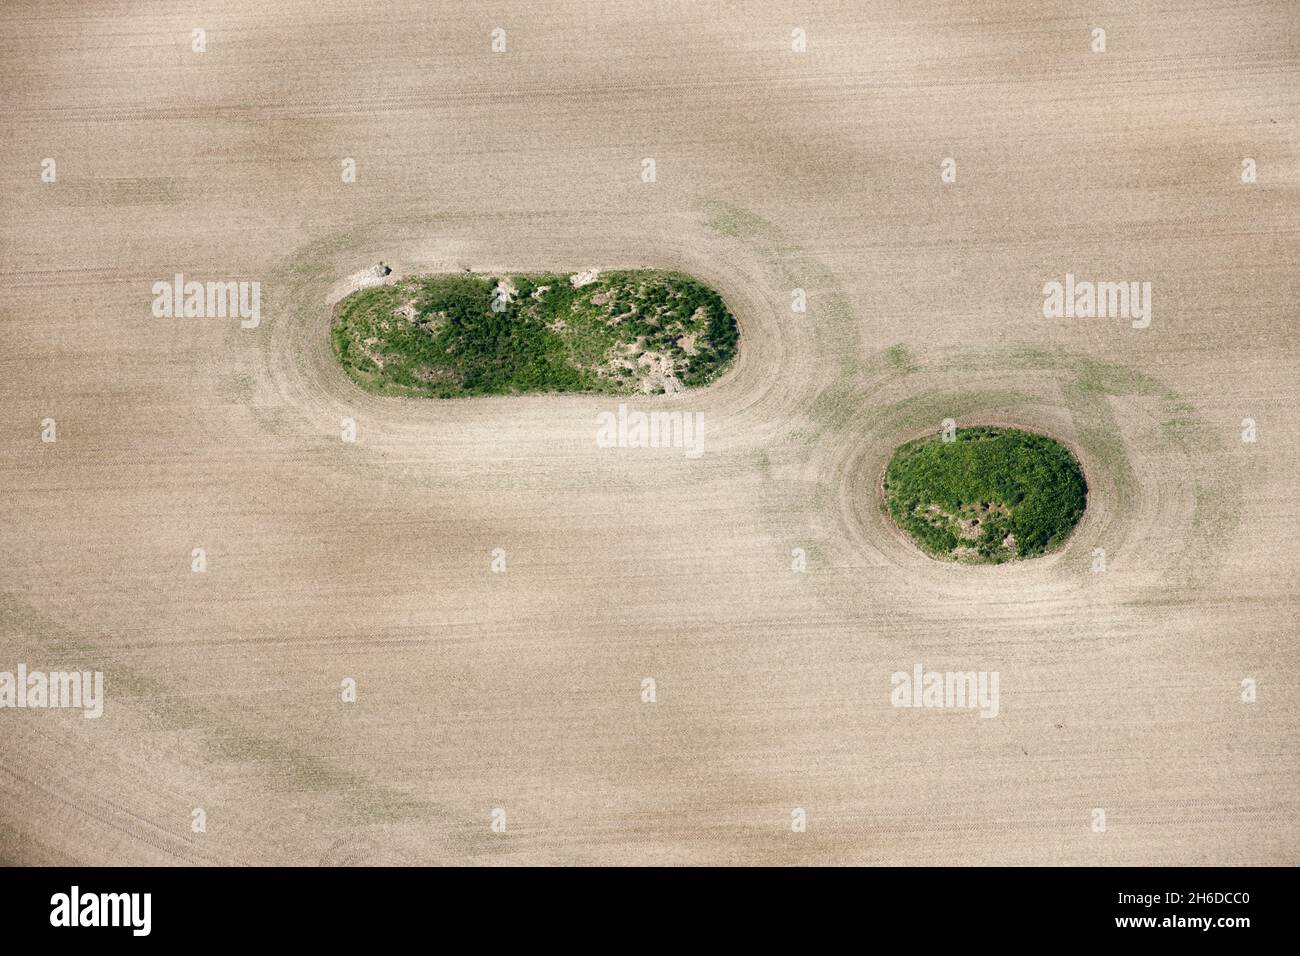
521 690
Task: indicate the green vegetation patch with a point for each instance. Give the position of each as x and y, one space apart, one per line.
989 496
622 333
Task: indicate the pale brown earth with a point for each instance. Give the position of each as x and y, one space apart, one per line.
1119 690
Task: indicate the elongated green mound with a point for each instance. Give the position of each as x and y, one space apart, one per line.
623 333
991 495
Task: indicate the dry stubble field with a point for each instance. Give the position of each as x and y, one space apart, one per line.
1120 690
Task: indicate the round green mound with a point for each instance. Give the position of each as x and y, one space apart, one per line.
990 495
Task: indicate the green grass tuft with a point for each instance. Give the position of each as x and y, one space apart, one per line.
962 499
439 336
